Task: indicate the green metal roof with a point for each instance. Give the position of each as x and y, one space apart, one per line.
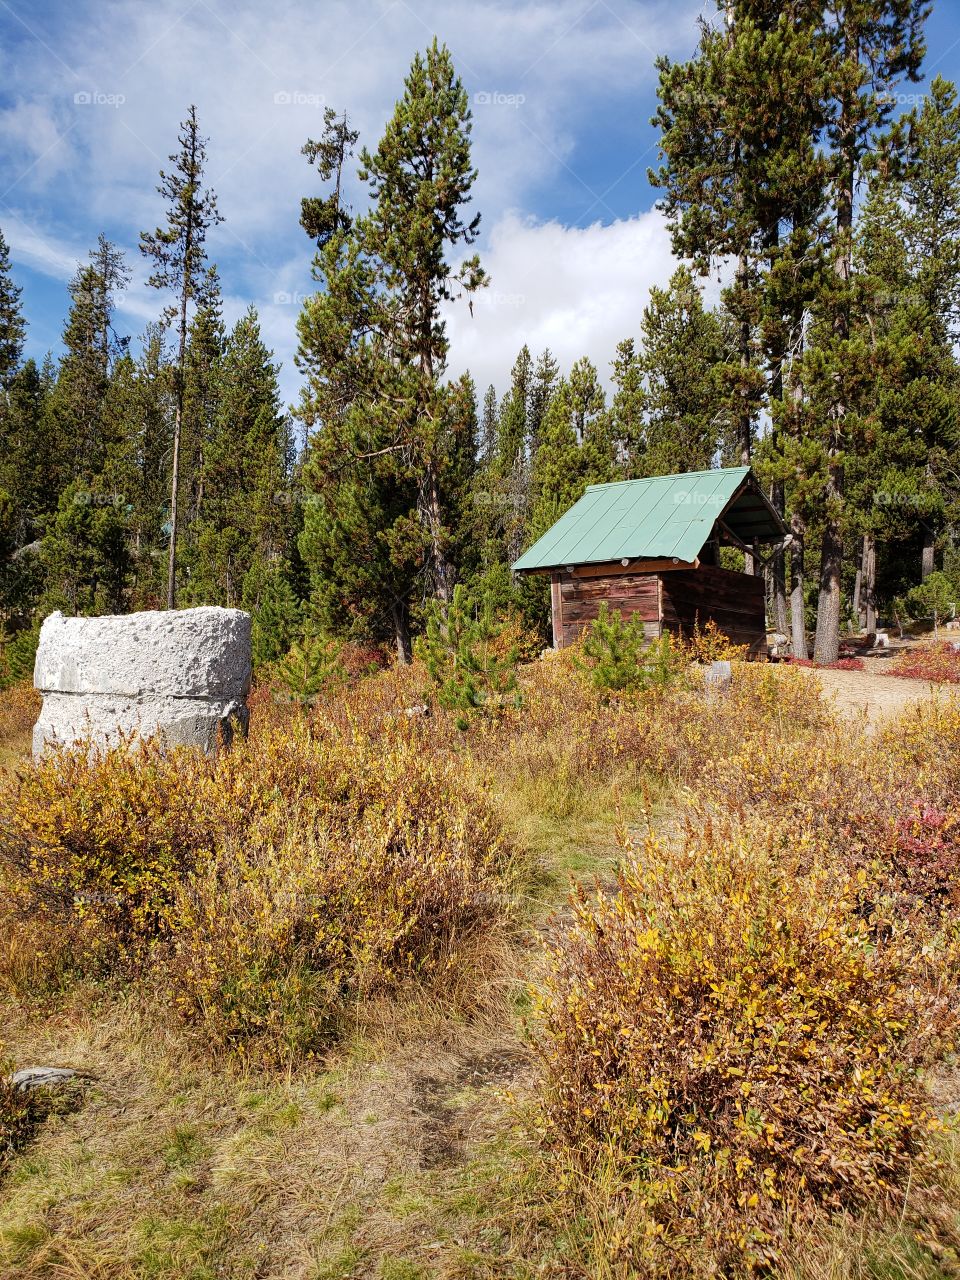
658 517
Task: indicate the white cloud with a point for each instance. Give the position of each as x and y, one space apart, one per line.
75 168
576 290
41 250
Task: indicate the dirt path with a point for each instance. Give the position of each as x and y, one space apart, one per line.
872 693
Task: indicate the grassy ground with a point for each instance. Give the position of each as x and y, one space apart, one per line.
385 1160
400 1155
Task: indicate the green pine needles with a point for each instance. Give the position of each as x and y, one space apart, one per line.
618 659
471 663
311 668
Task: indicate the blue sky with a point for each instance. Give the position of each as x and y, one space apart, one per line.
562 93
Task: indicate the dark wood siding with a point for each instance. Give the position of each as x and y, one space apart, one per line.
735 602
577 601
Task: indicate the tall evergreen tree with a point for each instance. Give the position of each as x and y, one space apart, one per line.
178 253
206 340
91 347
243 526
512 440
388 434
323 217
576 447
543 384
13 327
685 403
488 426
870 45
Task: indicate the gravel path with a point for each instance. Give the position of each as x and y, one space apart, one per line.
871 693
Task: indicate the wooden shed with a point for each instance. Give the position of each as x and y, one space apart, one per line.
651 548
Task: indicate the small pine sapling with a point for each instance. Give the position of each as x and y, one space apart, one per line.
935 598
469 658
618 659
311 668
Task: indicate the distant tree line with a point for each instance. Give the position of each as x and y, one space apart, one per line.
171 476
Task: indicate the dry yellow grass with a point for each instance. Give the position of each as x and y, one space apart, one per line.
406 1152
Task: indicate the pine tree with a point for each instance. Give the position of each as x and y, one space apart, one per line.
512 435
745 178
13 327
150 413
471 668
899 481
389 439
244 525
576 448
931 193
206 341
30 479
178 253
29 466
870 45
488 426
684 400
628 410
420 179
543 384
85 554
91 348
324 217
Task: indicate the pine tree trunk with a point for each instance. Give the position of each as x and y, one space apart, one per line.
178 418
174 498
778 569
744 425
797 621
858 584
443 572
826 645
869 583
401 633
926 558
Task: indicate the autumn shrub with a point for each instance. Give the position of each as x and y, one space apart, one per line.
90 848
262 890
709 644
16 1113
882 805
406 878
19 708
937 663
726 1043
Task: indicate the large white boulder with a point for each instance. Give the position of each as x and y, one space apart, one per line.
181 676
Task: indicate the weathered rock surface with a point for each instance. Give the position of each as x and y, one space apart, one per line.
180 676
41 1078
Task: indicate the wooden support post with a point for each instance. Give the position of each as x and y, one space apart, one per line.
556 607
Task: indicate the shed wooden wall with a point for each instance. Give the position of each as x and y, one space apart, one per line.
672 601
576 601
734 601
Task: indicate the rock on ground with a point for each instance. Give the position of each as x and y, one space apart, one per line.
41 1078
180 676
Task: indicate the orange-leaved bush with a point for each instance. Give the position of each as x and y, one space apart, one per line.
263 889
400 874
16 1113
736 1043
19 708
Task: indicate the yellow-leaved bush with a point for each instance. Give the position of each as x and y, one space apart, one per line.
261 892
738 1034
16 1113
736 1041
